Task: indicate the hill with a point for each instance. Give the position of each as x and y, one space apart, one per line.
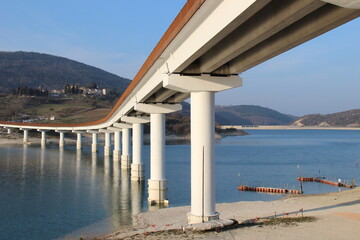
52 72
349 118
250 115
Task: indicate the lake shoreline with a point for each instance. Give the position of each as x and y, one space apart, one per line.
337 215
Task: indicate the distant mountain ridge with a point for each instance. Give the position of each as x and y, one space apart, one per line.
245 115
250 115
349 118
34 69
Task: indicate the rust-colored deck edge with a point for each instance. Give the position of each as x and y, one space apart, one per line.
185 14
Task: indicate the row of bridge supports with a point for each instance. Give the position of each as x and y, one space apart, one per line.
202 92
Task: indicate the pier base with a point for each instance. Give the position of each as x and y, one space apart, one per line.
125 161
157 192
117 155
192 219
94 148
107 150
137 172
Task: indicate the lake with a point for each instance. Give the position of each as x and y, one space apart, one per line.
47 193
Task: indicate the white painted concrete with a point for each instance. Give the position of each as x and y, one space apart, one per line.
61 139
122 125
43 138
202 158
94 142
137 167
137 119
78 140
157 182
26 135
157 108
202 83
126 148
117 146
107 146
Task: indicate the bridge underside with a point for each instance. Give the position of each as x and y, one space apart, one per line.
263 31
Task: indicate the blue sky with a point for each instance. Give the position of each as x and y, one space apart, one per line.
320 76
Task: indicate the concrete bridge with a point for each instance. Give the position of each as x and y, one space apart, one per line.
203 52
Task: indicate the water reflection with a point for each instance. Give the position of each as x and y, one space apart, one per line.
61 164
93 173
51 192
137 194
42 162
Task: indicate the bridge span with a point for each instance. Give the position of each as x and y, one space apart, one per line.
203 51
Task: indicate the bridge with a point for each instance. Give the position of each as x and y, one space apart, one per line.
203 52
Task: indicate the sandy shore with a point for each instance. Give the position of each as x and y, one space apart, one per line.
337 216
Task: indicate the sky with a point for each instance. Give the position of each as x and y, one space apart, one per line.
320 76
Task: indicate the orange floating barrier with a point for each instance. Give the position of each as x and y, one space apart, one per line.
268 190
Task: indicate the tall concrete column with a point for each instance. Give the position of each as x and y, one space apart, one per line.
202 158
117 146
26 135
157 182
43 137
61 139
126 148
137 167
107 146
78 140
94 140
202 90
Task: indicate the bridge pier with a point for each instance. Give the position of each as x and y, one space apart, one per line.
126 148
137 166
202 90
61 138
157 183
117 145
78 140
107 145
94 135
26 135
43 137
202 158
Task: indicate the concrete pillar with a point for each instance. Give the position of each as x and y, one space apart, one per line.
107 147
126 144
117 146
202 158
157 182
43 138
78 140
202 90
94 142
137 167
61 139
26 135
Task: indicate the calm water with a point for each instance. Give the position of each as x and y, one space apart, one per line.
52 194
